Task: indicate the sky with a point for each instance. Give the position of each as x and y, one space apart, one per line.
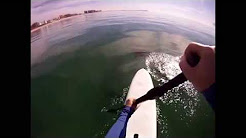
200 10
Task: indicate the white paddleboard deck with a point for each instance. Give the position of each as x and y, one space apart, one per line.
143 121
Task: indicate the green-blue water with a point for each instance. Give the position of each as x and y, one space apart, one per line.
84 65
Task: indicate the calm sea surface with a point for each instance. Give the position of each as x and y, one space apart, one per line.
82 66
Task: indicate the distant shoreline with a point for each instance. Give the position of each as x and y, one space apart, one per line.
125 10
53 22
76 16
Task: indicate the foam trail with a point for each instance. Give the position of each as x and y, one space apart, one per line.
162 68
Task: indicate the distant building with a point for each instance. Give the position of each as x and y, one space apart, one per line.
92 11
67 15
61 16
55 19
35 25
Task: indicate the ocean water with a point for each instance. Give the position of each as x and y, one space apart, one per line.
82 66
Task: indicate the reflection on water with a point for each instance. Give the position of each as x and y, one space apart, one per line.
82 66
35 35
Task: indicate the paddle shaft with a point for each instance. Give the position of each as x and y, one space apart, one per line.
159 91
192 59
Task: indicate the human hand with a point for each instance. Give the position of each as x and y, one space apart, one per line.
131 102
202 75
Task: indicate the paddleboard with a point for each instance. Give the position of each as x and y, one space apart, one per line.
142 123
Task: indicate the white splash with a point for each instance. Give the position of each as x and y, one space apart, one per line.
162 67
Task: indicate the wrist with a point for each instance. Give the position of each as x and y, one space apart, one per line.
129 109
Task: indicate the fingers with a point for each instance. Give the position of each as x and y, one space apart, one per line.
185 67
193 48
130 102
187 63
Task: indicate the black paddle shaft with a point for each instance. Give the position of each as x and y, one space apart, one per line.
159 91
192 60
